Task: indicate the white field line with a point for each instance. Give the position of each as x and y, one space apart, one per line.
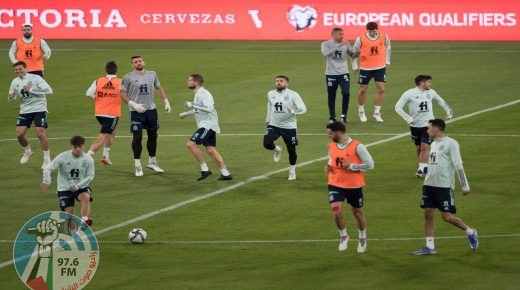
260 177
294 241
299 134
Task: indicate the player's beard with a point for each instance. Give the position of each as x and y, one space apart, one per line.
139 67
280 87
191 87
27 35
336 139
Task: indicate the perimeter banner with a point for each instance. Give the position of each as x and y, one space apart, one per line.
261 20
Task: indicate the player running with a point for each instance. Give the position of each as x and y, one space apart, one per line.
203 108
283 105
348 159
375 49
75 173
335 51
106 94
439 184
137 89
420 107
31 90
31 50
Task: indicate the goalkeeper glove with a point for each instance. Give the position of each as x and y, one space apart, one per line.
138 107
167 107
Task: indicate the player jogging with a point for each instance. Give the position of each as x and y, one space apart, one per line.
137 89
439 183
335 51
283 105
374 47
420 107
75 173
203 107
31 50
31 90
106 94
348 159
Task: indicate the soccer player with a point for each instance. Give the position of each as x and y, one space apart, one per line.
75 173
30 49
106 94
439 184
420 107
335 51
348 159
31 89
203 108
375 48
137 89
283 104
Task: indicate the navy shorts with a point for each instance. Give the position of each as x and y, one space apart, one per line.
39 118
147 120
353 196
420 135
379 75
108 124
440 198
66 198
206 137
289 135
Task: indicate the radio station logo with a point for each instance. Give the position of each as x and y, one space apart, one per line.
56 250
302 17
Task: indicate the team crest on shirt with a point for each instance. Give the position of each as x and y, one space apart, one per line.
441 147
286 98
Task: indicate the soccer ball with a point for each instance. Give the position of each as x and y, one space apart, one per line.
137 236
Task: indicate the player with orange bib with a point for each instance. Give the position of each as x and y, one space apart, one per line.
374 57
31 50
348 159
106 94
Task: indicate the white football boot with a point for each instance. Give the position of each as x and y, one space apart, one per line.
343 243
277 153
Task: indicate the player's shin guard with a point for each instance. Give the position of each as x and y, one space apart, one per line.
292 154
137 148
269 143
151 143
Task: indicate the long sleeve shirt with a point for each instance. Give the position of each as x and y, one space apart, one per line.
33 100
45 48
73 170
335 54
420 106
357 46
444 161
204 110
282 108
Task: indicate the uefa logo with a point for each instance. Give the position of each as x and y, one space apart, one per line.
302 17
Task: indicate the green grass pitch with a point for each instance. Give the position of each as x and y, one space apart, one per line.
470 76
